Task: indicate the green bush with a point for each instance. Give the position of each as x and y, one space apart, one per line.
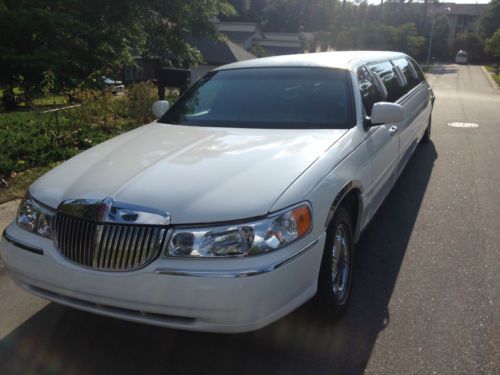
38 139
140 98
34 139
493 44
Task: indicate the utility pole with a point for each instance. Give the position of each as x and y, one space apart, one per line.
430 42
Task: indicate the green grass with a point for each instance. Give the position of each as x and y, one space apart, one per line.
17 91
46 101
492 70
54 100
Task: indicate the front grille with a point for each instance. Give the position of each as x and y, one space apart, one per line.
107 247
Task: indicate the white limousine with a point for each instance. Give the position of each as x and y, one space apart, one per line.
240 203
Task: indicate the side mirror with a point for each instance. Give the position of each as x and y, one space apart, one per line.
160 107
386 113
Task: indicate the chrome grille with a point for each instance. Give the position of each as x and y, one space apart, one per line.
107 247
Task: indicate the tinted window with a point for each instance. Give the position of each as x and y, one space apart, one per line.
385 71
408 71
369 91
290 98
420 74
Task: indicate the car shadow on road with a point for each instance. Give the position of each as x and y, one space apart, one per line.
62 340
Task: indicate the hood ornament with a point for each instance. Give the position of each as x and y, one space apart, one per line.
110 211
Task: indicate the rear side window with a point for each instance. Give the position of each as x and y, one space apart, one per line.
369 91
420 74
387 74
408 71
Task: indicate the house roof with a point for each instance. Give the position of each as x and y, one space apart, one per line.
274 43
283 36
239 36
239 31
219 52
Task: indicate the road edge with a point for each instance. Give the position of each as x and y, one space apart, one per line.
430 76
490 78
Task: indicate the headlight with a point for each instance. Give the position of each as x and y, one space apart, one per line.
241 239
34 217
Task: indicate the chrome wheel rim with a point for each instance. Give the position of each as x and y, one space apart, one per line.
340 263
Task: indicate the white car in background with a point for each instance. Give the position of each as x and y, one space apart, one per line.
461 57
112 85
243 201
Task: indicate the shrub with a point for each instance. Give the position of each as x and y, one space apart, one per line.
140 98
98 109
493 44
36 139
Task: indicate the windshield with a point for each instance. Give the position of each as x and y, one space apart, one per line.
283 98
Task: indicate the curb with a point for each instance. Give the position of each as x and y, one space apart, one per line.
490 78
9 200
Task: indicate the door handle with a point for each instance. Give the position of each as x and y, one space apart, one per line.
393 130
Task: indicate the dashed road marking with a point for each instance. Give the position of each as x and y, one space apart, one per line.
463 124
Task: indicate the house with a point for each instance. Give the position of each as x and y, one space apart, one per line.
250 36
241 38
281 43
460 17
216 53
242 33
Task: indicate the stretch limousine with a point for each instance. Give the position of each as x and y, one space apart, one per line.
240 203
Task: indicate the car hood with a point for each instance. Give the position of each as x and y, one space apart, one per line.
196 174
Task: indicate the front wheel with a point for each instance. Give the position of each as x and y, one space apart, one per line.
334 283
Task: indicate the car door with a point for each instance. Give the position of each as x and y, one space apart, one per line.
382 144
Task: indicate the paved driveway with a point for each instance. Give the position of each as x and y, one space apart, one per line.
425 294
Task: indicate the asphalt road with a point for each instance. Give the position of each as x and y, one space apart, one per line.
425 292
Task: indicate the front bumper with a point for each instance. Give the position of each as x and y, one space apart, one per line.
215 295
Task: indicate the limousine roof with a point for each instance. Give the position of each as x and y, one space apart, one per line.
340 60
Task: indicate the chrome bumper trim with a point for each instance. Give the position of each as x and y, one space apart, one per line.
235 273
21 245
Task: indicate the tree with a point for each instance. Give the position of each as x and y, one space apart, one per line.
408 40
490 20
440 46
80 40
493 44
470 42
286 15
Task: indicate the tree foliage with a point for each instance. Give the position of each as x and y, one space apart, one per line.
80 40
472 43
493 44
378 36
286 15
343 26
490 20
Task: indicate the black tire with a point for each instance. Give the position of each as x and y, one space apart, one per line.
427 135
331 303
